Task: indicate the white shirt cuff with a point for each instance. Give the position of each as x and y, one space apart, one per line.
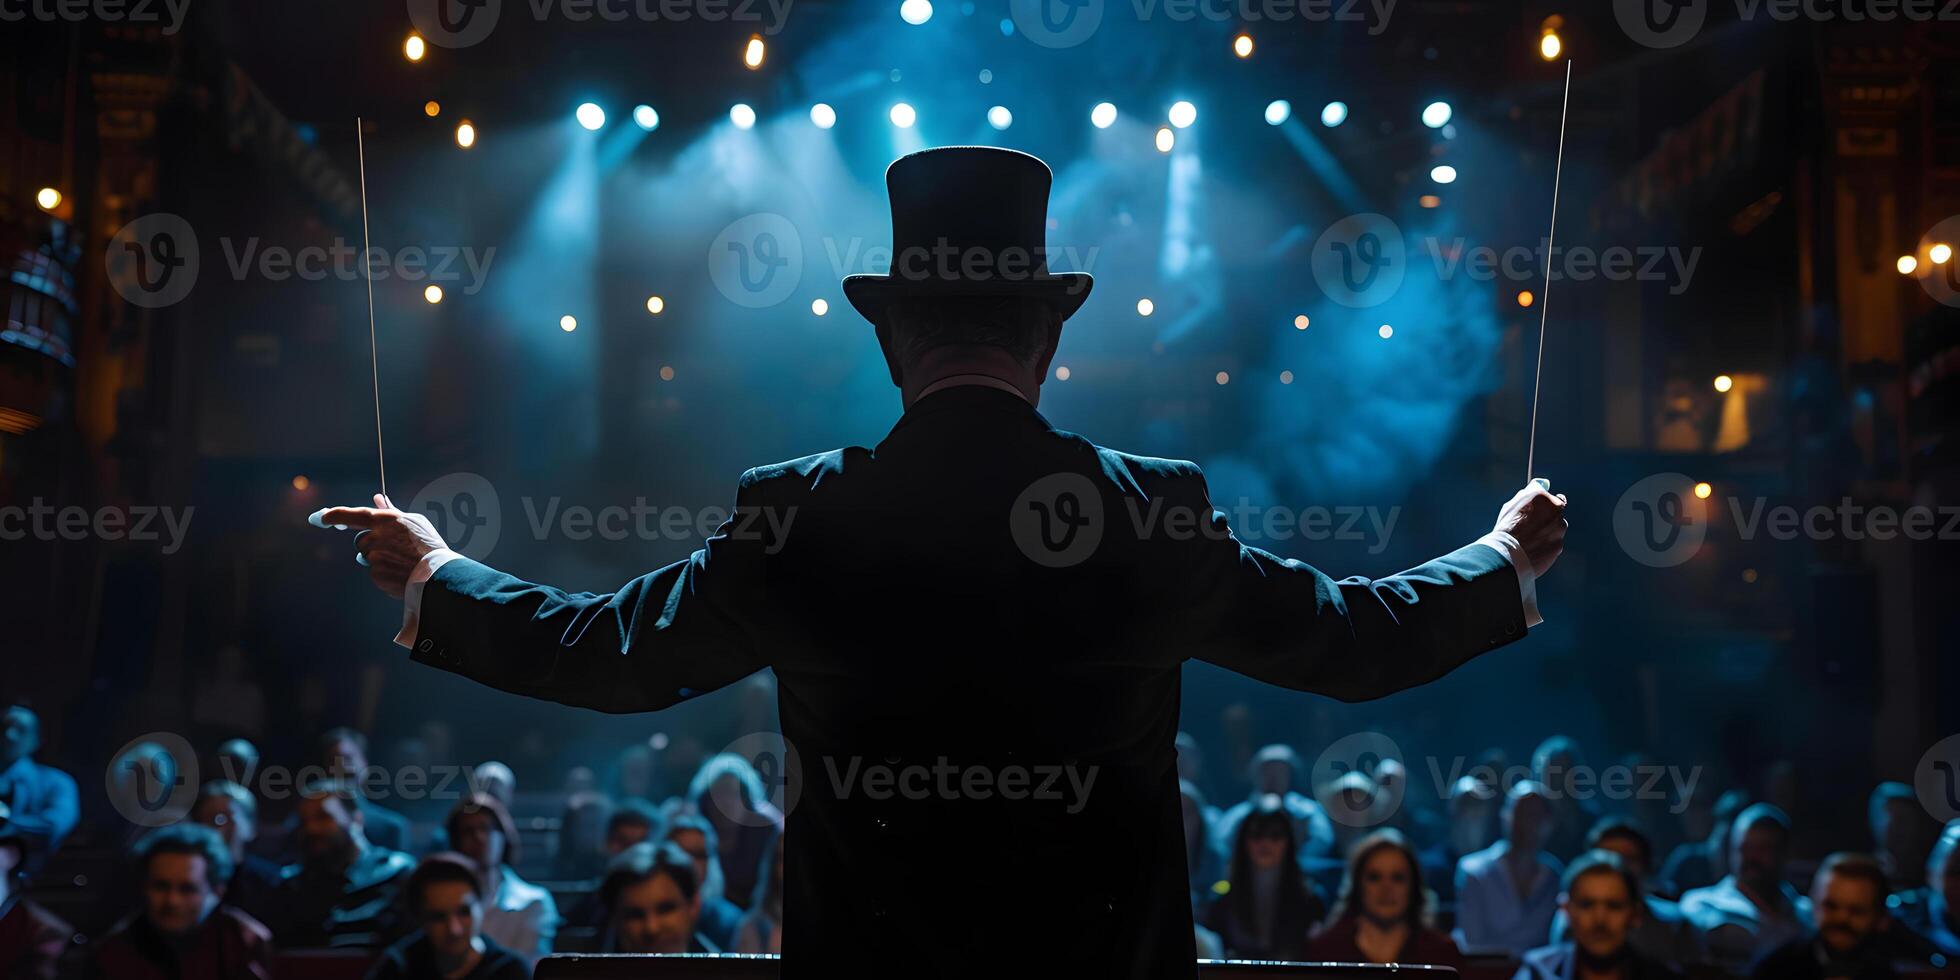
1505 544
412 595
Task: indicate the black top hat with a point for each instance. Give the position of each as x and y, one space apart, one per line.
968 221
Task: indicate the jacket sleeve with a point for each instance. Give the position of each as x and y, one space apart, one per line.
1285 622
666 636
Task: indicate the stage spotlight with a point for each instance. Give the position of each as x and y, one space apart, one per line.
1242 45
1525 298
432 293
1386 331
1436 115
1103 115
1723 382
1939 253
753 51
823 115
820 306
1286 377
48 198
903 115
568 323
1183 114
742 116
1907 264
414 48
1549 46
1166 138
432 108
1061 373
1333 114
465 134
999 118
666 372
1278 111
591 116
1301 322
1145 307
915 12
645 118
1442 174
1222 378
300 482
656 305
1702 490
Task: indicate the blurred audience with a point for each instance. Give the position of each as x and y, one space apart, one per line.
718 916
1383 914
1600 897
1661 932
652 897
520 916
1275 771
180 928
1560 767
445 899
1932 912
1698 864
761 930
1847 904
343 891
1267 909
37 802
1753 909
229 809
1508 892
32 939
729 792
345 754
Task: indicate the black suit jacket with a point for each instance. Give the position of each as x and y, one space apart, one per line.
908 628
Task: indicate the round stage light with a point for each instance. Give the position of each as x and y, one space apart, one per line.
1386 331
1525 297
432 108
465 134
903 115
999 118
1278 111
1443 174
1145 307
1301 322
1242 45
823 115
568 323
1907 265
414 48
753 51
820 306
1939 253
1333 114
915 12
432 293
1166 138
1436 115
1103 115
591 116
48 198
1549 46
1703 490
741 115
1183 114
1723 383
656 305
645 118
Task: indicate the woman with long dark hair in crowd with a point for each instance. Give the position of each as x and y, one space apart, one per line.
520 916
1267 908
1383 913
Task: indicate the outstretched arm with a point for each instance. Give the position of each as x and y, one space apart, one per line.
661 638
1285 622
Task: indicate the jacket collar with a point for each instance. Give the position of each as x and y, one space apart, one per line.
968 401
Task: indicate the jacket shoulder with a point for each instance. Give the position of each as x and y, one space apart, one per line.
803 472
1148 475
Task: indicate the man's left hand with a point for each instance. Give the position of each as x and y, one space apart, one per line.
391 542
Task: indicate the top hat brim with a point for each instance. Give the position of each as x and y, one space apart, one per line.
871 294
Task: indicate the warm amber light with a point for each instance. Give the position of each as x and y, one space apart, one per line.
1702 490
1723 382
1300 322
655 305
414 47
48 198
1061 373
301 482
432 108
433 293
1242 45
1429 201
1525 298
1939 253
1549 46
1907 264
465 134
752 55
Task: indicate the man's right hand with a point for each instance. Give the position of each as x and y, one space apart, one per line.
1536 517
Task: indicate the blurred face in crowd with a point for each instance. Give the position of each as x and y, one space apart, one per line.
1274 776
477 835
1757 855
1387 883
624 835
229 819
1527 820
725 804
1629 853
1600 911
1265 844
1847 910
20 735
177 894
327 825
346 760
695 843
452 916
654 917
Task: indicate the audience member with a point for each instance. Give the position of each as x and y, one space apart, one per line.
345 754
1661 932
1274 771
1507 893
652 896
238 761
1847 902
496 779
761 930
343 891
1267 909
1753 909
1473 823
1383 913
1902 834
718 916
231 810
1203 863
32 939
582 832
37 802
1698 864
1600 897
1556 766
518 915
1933 912
729 792
445 897
180 929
